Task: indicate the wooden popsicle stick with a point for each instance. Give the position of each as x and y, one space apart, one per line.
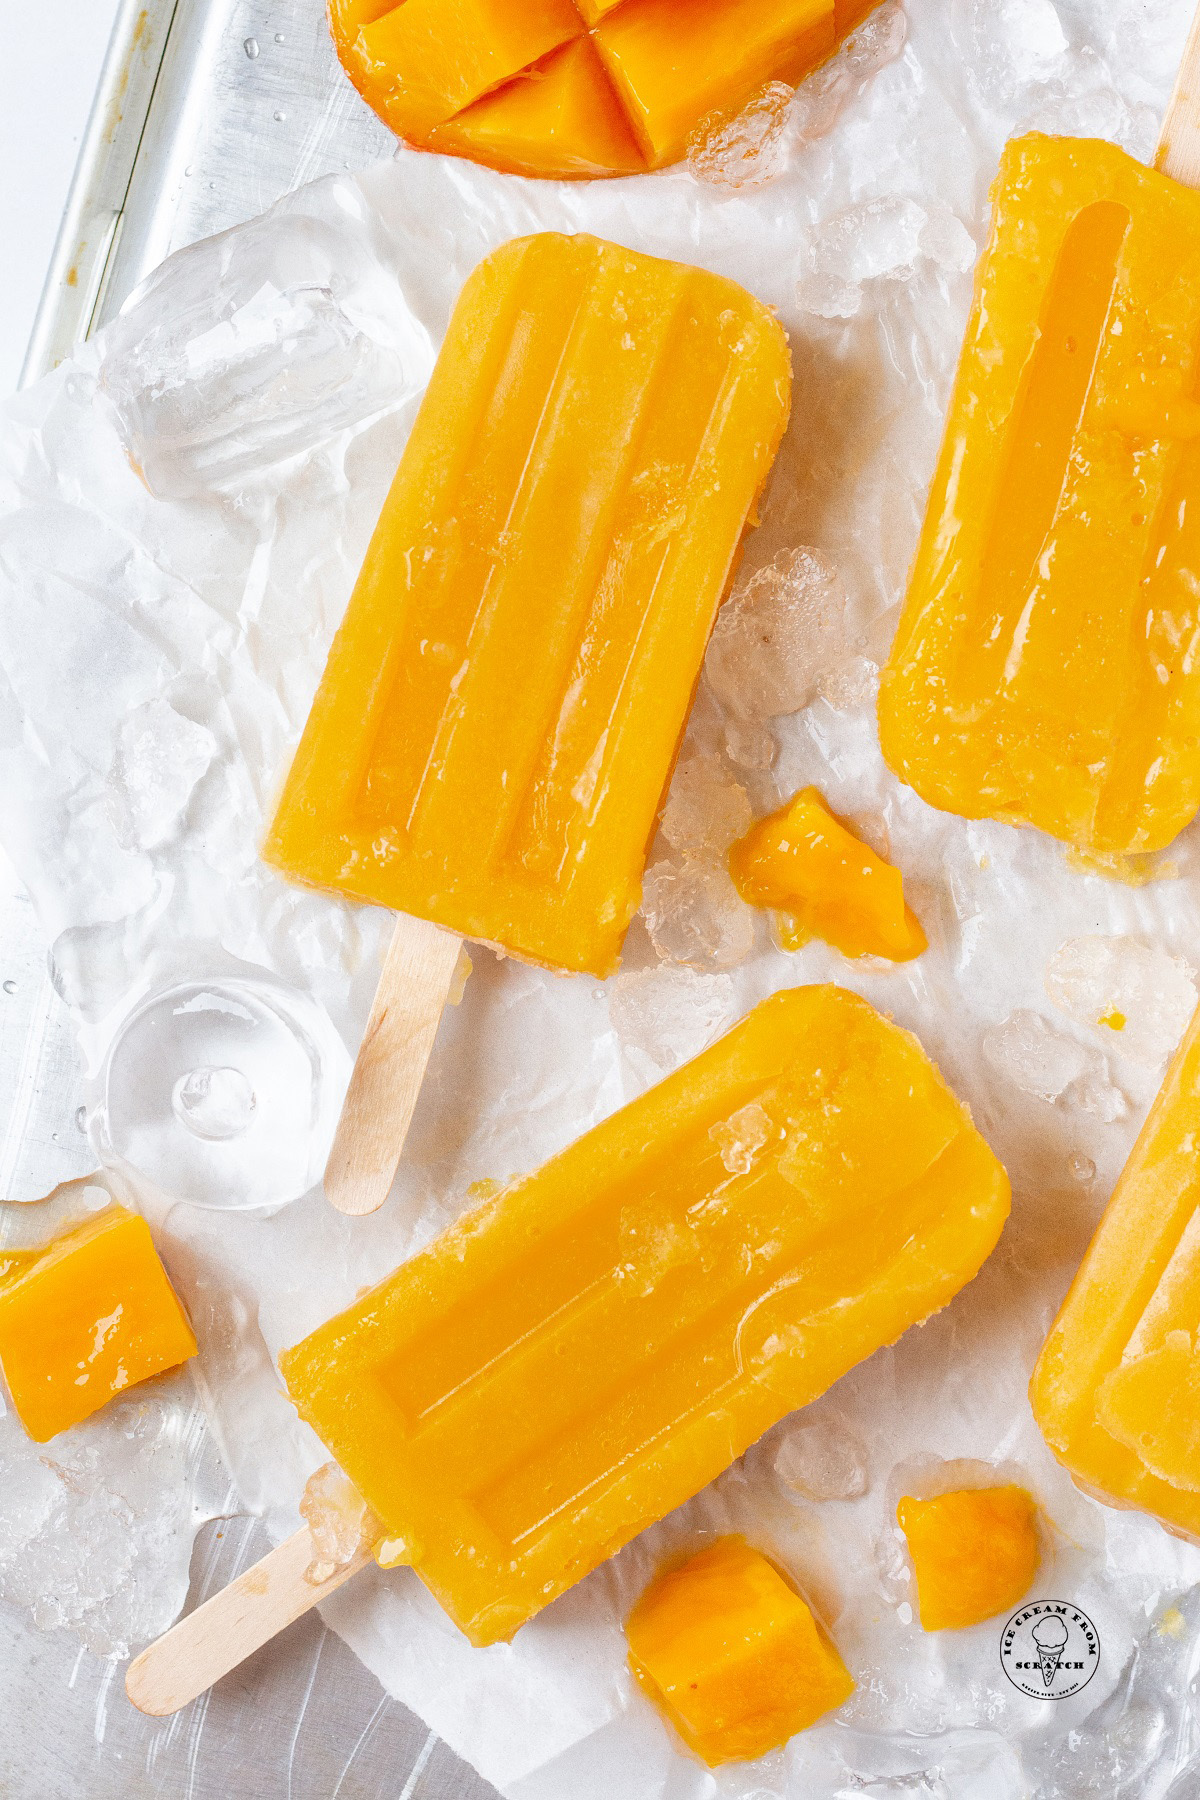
382 1095
227 1629
1179 142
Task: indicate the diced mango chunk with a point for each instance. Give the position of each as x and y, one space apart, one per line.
974 1553
431 58
806 865
675 60
561 117
86 1318
731 1654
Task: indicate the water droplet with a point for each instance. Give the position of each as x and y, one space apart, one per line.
81 1119
1082 1167
250 46
280 117
213 1103
279 38
10 987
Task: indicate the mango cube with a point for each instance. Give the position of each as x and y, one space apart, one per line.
807 866
575 87
974 1553
728 1650
85 1319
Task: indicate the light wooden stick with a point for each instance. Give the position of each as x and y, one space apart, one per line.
391 1063
227 1629
1179 142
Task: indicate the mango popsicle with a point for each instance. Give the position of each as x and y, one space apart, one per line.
502 706
1044 671
1116 1391
577 1356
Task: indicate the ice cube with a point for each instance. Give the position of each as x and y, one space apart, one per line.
160 758
744 149
665 1016
877 240
339 1520
1009 46
823 1459
742 1137
694 915
96 1527
1039 1060
878 41
1140 997
706 808
774 638
261 343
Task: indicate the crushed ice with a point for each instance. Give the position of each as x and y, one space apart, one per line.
1045 1062
1137 994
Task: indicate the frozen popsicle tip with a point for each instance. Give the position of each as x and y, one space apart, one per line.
745 148
778 632
1138 996
694 915
340 1523
1043 1061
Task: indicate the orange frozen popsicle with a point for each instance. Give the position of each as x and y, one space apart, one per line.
580 1354
502 706
1045 669
1117 1387
575 87
86 1318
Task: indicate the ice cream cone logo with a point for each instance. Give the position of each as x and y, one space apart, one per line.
1049 1649
1050 1636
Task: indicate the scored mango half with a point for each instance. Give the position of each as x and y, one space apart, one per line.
575 88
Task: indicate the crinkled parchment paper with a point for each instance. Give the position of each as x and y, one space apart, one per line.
157 658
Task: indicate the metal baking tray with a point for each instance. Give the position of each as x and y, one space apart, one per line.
207 111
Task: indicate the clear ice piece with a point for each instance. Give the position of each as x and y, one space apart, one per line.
1139 996
225 1093
261 343
774 639
706 809
744 149
823 1459
664 1016
160 758
1039 1060
339 1520
694 915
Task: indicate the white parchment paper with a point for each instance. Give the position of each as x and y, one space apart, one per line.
157 658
